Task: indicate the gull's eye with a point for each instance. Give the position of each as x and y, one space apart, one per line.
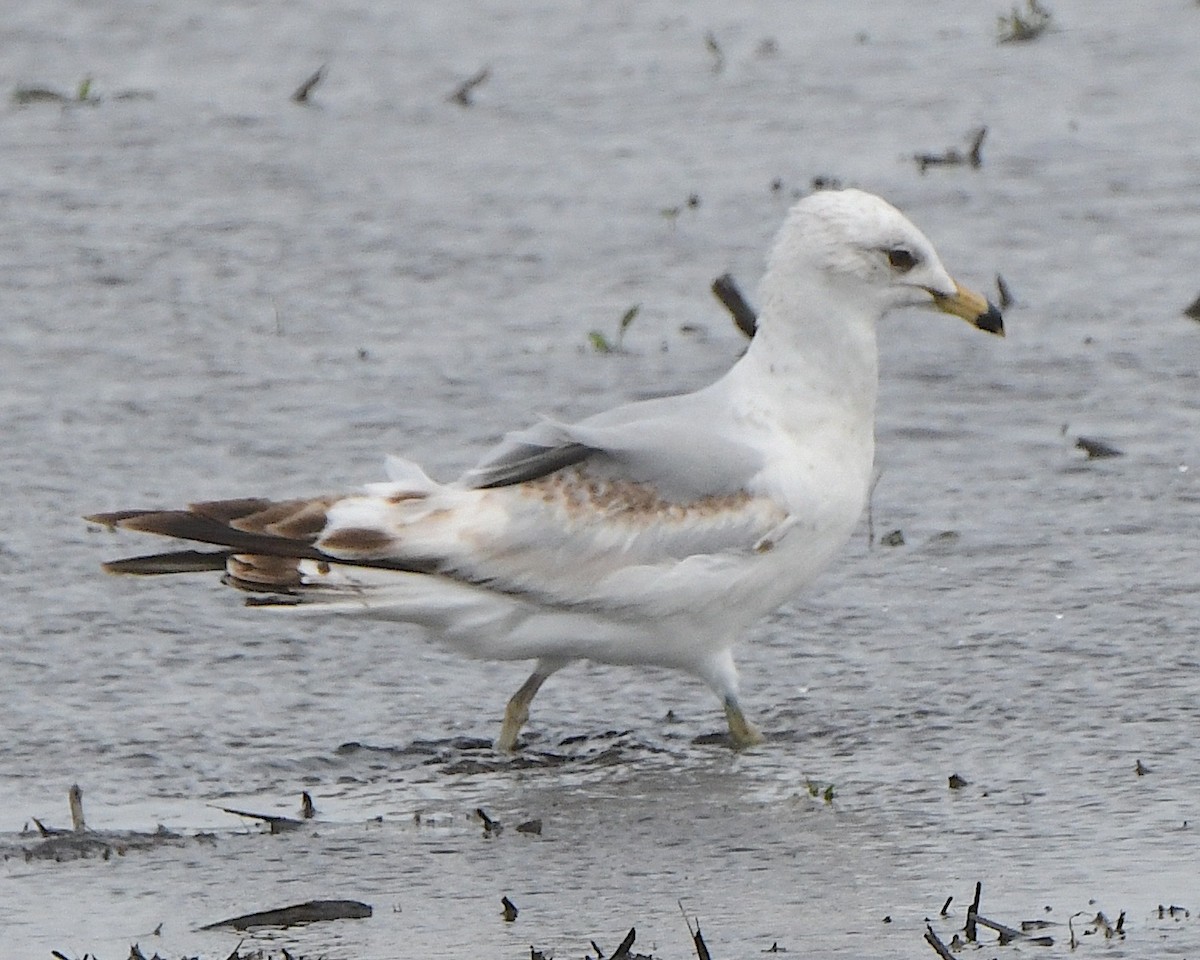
901 260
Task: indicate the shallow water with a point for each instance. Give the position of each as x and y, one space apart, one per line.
212 291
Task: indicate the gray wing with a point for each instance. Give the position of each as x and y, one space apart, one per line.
675 444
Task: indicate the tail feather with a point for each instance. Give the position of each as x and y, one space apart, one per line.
264 543
179 561
201 528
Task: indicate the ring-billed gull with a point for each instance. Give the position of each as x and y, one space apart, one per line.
652 533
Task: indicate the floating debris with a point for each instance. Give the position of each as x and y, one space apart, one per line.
462 94
1003 294
75 802
311 911
956 783
301 93
81 842
491 828
601 344
530 826
1193 309
1006 934
510 910
710 43
672 213
1021 28
953 157
1141 769
936 942
745 318
23 96
697 937
969 930
1097 449
274 822
824 182
307 810
895 538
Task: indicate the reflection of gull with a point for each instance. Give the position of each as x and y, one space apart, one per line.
653 533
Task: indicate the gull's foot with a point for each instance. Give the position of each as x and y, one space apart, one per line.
510 729
742 733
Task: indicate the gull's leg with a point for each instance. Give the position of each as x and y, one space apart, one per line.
517 711
721 674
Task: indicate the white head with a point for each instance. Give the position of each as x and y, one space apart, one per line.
860 251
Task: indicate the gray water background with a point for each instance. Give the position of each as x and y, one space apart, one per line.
210 291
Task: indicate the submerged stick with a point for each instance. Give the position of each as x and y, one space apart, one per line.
697 938
622 952
936 942
973 913
75 800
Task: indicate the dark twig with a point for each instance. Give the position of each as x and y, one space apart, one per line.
276 824
302 91
726 290
622 952
462 94
1004 295
953 157
1007 934
973 913
697 937
936 942
945 911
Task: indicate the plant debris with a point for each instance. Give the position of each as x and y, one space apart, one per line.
509 910
1021 28
311 911
301 93
710 42
1003 294
24 96
463 92
953 157
1192 310
745 318
1097 449
275 822
81 842
1005 933
601 344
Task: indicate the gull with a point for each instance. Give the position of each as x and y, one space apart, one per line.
654 533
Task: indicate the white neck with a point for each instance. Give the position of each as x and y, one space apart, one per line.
819 358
